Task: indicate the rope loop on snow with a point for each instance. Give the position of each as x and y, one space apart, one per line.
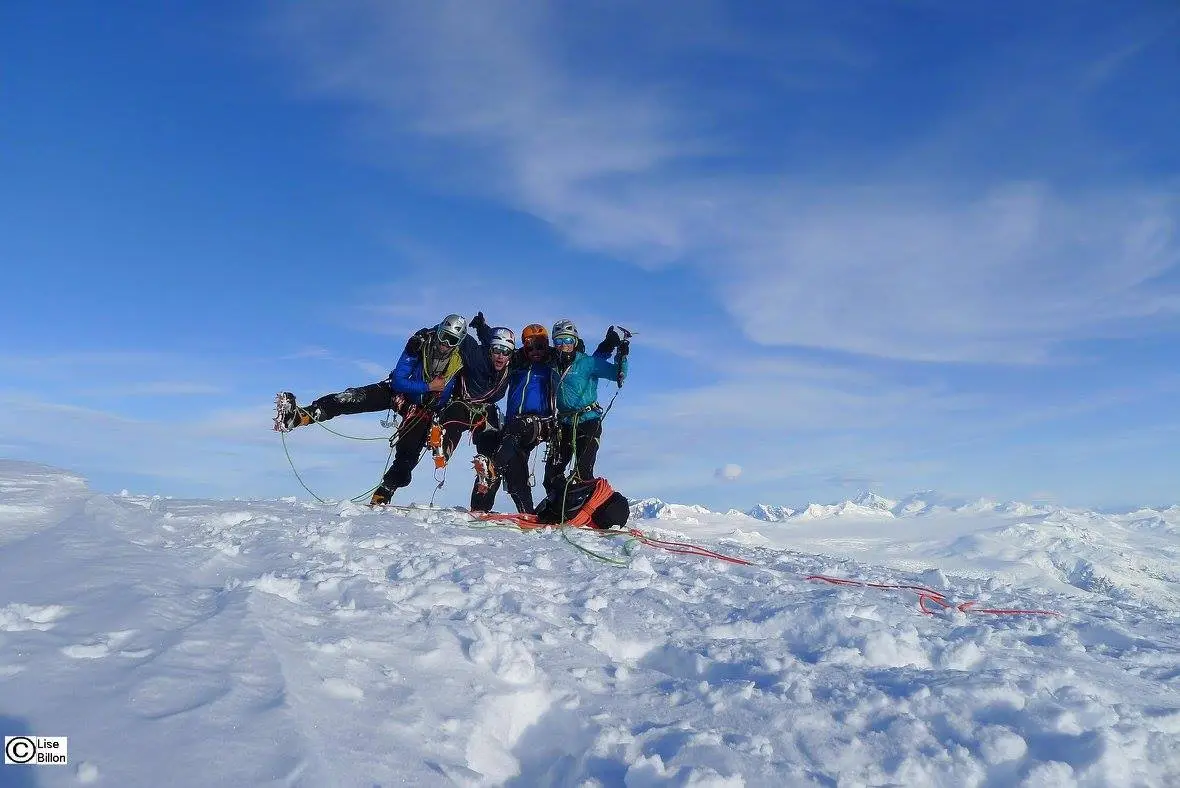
929 595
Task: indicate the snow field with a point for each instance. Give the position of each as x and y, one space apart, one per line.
283 643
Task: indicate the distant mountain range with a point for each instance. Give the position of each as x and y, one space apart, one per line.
866 505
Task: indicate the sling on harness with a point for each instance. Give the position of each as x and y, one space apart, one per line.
434 441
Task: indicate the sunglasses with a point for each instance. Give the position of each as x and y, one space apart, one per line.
564 341
500 350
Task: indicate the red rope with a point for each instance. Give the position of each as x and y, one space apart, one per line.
925 595
929 595
529 521
685 548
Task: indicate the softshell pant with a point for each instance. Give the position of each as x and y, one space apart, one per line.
581 438
362 399
521 436
486 433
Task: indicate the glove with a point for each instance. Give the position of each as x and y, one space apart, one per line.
478 321
620 334
414 345
623 348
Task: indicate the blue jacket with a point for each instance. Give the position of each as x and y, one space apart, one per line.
409 376
530 390
577 384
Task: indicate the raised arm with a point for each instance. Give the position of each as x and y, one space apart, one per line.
482 329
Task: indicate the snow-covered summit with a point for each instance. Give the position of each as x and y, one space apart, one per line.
771 514
872 500
819 511
655 509
865 505
335 645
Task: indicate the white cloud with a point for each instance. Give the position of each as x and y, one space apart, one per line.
728 472
998 272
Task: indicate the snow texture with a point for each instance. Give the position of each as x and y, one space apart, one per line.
200 643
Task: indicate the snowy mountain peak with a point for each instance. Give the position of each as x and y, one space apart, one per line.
647 508
871 500
654 508
771 514
817 511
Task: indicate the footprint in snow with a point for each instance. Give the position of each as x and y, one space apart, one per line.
20 617
103 646
344 690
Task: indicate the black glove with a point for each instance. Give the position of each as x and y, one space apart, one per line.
478 321
608 343
623 349
414 345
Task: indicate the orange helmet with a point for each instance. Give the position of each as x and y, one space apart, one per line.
534 331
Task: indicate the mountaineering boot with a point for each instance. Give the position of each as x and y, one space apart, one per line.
381 496
289 415
485 472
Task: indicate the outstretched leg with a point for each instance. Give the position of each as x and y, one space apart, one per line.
363 399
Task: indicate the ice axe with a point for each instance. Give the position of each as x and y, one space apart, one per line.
624 348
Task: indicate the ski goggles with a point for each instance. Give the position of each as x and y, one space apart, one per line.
536 343
450 340
501 350
564 341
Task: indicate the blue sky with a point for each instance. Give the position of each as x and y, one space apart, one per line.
888 246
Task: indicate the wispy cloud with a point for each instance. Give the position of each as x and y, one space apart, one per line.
160 388
913 266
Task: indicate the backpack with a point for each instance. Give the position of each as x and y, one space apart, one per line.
581 500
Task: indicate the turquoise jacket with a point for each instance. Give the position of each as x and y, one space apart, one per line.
577 385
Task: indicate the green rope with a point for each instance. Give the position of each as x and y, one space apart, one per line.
294 471
350 437
393 439
628 546
371 490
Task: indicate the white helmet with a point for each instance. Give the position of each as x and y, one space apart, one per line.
503 338
451 330
565 327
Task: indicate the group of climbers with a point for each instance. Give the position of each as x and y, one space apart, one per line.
447 383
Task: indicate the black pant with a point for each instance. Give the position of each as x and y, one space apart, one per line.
521 436
411 440
363 399
578 442
486 433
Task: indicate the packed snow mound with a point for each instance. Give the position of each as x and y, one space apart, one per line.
296 643
34 497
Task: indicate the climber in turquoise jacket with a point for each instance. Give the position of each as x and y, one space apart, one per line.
579 416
